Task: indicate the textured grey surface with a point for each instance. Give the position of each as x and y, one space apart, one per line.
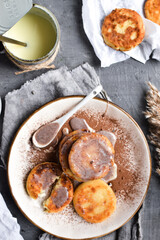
125 82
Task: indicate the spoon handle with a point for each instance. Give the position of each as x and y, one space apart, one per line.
10 40
91 95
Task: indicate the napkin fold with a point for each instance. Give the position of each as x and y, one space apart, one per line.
9 228
93 14
20 103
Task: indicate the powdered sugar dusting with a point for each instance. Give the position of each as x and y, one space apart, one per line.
130 186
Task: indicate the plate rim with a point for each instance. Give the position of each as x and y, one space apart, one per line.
79 96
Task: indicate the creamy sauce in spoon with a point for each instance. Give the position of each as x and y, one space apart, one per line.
46 134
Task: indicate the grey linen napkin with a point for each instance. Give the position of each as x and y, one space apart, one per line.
20 103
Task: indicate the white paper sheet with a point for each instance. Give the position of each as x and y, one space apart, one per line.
93 13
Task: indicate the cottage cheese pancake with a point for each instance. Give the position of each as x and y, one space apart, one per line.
41 177
152 10
61 195
123 29
91 156
94 201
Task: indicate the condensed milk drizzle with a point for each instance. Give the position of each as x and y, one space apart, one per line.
112 138
80 123
45 179
61 197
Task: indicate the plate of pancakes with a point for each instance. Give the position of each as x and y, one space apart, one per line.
90 180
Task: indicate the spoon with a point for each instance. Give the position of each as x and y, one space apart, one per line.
10 40
47 133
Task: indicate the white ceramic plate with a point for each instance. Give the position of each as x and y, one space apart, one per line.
134 161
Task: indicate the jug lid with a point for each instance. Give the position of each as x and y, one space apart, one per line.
11 11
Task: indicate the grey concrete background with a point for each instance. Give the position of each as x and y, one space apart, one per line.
125 82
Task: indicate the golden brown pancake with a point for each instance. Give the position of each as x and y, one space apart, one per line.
94 201
64 150
91 156
61 195
152 10
41 177
123 29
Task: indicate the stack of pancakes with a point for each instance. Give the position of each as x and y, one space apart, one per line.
86 156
